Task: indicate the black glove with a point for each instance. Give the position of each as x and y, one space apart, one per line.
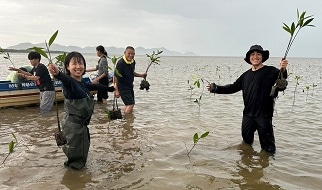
213 87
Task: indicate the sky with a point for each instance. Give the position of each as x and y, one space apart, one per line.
204 27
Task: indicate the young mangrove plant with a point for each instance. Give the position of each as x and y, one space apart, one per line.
114 61
115 113
191 87
12 145
47 53
6 56
59 137
293 29
297 78
194 85
196 139
307 89
154 59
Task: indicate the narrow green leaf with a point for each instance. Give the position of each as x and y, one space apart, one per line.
11 146
297 13
61 58
52 38
293 28
204 135
14 136
198 84
109 68
302 15
287 28
308 22
300 23
40 51
118 73
195 138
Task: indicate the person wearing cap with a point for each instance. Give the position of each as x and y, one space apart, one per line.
256 85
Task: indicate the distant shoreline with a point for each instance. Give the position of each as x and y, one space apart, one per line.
26 51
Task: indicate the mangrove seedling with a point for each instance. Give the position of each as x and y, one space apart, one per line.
6 56
115 113
12 145
293 29
307 88
47 53
154 59
196 84
59 137
114 61
196 139
191 88
297 78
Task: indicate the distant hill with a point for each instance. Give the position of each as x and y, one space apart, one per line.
110 50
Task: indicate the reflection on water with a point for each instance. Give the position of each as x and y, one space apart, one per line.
76 179
251 168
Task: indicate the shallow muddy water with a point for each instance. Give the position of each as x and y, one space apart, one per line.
148 149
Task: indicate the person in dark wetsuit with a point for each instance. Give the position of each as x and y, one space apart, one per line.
79 105
256 84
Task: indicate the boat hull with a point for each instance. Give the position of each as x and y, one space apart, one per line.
23 94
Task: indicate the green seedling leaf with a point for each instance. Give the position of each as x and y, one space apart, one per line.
52 38
118 73
14 136
39 50
308 22
195 138
204 135
11 146
60 59
302 21
108 113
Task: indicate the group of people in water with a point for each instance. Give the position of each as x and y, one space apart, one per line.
255 84
79 102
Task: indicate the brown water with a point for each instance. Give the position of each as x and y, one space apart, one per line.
148 149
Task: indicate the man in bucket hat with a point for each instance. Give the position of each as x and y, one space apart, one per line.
256 85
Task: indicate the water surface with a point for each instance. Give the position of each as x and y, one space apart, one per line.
148 149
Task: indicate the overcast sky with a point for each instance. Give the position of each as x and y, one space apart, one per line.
205 27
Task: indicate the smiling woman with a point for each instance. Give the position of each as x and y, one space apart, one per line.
79 106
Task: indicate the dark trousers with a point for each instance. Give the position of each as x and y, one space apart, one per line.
102 93
264 127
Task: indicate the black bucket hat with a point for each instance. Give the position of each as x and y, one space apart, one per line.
258 48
